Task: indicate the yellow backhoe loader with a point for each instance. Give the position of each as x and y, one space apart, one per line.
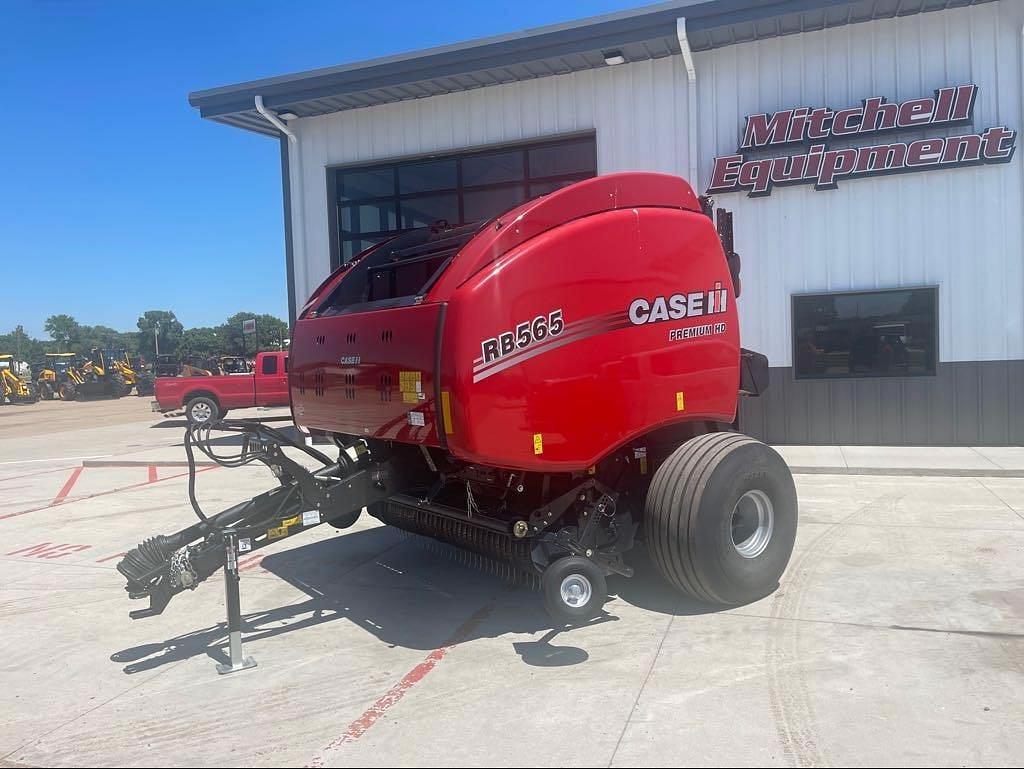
14 388
117 358
58 376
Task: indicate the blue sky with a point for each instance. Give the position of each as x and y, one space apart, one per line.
118 198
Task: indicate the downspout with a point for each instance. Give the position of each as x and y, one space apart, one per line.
275 121
294 209
691 110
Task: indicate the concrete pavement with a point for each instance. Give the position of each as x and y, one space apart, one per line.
896 637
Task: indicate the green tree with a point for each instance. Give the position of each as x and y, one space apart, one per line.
22 346
162 324
270 331
64 330
200 342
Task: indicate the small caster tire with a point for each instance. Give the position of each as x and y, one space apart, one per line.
574 589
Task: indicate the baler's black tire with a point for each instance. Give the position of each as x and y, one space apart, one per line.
202 409
574 566
697 527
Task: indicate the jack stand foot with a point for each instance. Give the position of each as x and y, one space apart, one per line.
238 662
231 579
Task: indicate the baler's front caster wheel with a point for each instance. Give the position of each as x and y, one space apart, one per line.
574 590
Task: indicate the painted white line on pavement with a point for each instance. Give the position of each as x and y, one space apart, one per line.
57 459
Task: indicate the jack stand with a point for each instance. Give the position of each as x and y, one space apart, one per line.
231 598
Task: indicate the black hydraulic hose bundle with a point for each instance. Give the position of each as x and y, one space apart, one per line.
198 435
151 556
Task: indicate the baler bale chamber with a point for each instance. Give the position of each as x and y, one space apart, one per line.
551 389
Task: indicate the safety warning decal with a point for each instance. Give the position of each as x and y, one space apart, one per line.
410 384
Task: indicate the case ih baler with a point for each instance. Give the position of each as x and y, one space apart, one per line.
550 388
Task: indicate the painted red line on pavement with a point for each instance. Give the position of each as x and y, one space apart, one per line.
102 493
66 488
48 550
152 474
250 563
394 695
111 557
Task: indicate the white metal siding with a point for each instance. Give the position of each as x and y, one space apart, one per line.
638 111
960 229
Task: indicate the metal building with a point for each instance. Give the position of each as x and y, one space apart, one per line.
866 147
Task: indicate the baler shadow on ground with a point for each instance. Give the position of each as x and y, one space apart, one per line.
407 592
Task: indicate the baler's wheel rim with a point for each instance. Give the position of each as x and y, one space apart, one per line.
753 521
576 590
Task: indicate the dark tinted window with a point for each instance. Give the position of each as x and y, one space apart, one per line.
369 217
866 334
424 210
270 364
568 158
427 177
482 203
493 168
373 183
375 203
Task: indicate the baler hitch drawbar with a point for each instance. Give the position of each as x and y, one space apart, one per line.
163 566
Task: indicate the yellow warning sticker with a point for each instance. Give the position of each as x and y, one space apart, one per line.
291 521
446 411
538 443
680 402
410 382
643 465
410 397
280 531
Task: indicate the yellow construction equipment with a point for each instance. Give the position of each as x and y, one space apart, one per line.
117 358
14 388
58 376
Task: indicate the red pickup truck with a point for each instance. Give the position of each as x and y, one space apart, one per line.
209 397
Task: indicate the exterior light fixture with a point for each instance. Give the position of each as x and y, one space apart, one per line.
611 58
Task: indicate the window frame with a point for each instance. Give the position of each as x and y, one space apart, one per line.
794 298
337 236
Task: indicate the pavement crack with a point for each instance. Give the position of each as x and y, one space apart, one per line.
636 702
1009 507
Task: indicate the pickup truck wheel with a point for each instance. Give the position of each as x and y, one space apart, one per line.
721 518
202 409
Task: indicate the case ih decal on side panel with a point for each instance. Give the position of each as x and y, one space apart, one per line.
560 335
545 333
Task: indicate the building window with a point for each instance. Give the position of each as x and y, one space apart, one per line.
375 202
866 334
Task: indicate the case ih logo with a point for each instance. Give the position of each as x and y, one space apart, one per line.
825 167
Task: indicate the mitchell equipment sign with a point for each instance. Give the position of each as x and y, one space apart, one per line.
825 167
